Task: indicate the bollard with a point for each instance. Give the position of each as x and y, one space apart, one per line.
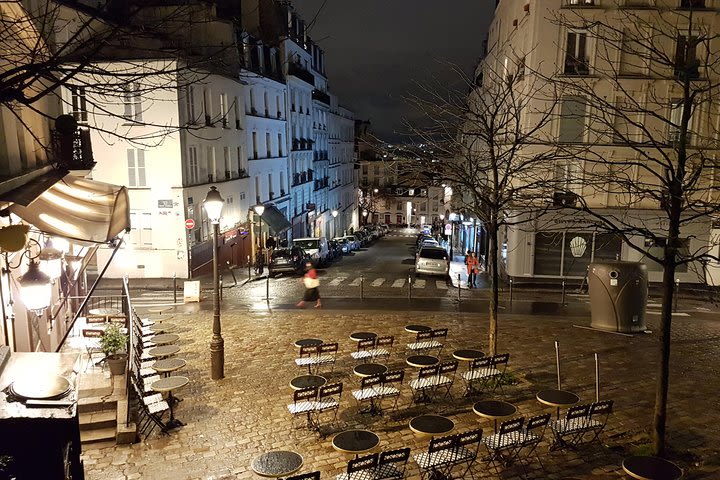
511 290
362 286
459 287
174 288
231 273
220 289
677 294
409 287
267 287
249 272
563 292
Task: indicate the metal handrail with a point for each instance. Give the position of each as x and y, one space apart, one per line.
129 314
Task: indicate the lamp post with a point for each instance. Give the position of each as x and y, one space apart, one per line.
259 209
213 207
334 213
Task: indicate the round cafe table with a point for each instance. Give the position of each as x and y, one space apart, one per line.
651 468
357 336
277 464
369 369
355 441
494 409
158 311
167 365
160 328
164 338
308 342
168 384
422 361
557 399
417 328
163 351
307 381
431 425
105 311
467 355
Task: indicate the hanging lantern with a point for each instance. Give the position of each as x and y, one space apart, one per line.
61 244
51 261
35 289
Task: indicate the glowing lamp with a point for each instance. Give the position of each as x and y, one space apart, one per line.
35 289
51 261
334 213
213 205
259 209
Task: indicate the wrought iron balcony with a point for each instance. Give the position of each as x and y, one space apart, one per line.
73 151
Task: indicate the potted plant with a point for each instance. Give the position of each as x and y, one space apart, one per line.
112 341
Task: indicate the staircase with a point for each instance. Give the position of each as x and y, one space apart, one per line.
98 420
102 409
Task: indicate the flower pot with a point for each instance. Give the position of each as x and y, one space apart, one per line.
117 363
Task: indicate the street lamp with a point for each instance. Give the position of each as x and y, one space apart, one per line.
365 214
213 207
259 209
334 213
35 289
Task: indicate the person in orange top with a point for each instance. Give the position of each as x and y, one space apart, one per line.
472 269
312 290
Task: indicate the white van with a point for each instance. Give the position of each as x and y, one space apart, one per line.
316 248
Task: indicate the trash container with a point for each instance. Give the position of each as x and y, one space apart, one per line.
618 295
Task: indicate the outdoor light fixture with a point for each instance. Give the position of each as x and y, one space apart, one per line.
51 260
375 190
213 207
442 216
334 213
35 289
365 213
61 244
259 209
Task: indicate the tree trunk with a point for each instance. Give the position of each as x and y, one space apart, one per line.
494 287
664 372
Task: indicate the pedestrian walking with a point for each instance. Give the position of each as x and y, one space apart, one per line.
259 262
472 269
312 287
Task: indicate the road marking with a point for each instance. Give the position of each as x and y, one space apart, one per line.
356 282
441 284
654 305
377 282
675 314
399 283
419 283
337 281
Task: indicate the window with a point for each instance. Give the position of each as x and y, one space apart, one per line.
257 189
211 163
270 186
141 228
207 107
633 56
254 145
279 111
676 114
268 145
79 103
521 68
266 104
136 167
365 170
581 2
131 101
193 166
282 184
692 4
224 110
226 158
190 104
576 58
621 125
280 145
241 161
572 119
236 108
686 62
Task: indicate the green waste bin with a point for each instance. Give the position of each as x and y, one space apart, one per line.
618 295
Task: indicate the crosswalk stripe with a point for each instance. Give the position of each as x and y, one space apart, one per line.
398 283
377 282
337 281
356 282
441 284
419 283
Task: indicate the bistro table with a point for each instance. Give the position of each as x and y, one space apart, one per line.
168 384
277 464
167 365
164 338
422 361
163 351
417 328
467 355
355 441
431 425
308 342
307 381
651 468
557 399
158 311
357 336
162 327
369 369
105 312
494 409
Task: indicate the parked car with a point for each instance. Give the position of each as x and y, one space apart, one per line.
344 244
288 260
362 238
336 250
432 261
421 238
317 248
429 242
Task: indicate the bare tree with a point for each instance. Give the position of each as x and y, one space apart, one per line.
649 106
490 146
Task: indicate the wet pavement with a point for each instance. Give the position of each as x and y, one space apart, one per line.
232 421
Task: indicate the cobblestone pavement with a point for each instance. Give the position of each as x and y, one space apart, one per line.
231 421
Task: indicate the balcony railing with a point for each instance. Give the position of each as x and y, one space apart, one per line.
321 96
298 71
73 151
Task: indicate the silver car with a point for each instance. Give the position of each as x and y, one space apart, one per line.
432 261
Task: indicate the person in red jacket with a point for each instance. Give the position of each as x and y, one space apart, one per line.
472 269
312 287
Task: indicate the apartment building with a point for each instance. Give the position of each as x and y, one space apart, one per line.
591 47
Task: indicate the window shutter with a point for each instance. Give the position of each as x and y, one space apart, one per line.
141 168
131 167
572 120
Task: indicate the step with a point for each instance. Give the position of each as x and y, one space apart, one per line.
98 435
96 404
98 420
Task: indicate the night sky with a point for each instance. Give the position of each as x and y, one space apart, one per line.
376 49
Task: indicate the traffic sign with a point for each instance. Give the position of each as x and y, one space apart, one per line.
448 229
189 223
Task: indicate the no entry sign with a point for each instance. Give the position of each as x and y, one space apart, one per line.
189 223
